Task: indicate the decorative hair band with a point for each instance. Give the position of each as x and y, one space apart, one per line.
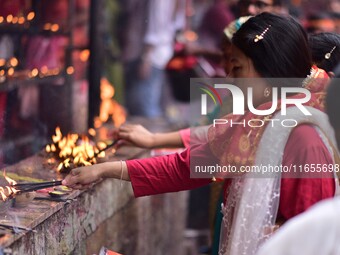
234 26
329 54
261 36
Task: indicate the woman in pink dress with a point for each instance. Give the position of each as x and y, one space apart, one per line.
266 46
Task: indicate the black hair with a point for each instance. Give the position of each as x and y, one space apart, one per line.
282 53
321 44
332 100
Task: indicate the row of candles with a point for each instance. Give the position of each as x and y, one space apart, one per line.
75 150
11 19
7 68
72 150
34 73
24 20
14 62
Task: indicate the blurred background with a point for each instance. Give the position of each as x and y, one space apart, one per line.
64 61
81 64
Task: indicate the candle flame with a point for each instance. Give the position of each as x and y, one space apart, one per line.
54 27
30 16
44 70
84 55
8 190
108 106
13 62
75 150
2 192
70 70
58 135
9 180
15 20
92 132
9 18
21 20
34 72
10 71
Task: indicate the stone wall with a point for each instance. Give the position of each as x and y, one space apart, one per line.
108 215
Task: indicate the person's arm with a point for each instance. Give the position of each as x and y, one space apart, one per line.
141 137
148 176
164 174
83 177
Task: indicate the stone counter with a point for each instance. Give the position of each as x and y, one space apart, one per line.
105 215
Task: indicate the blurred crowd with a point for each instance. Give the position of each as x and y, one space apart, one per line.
168 42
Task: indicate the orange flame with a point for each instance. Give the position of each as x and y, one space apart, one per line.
8 190
75 150
9 180
60 166
108 106
58 135
2 193
92 132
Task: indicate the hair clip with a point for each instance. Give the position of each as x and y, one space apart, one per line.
261 36
329 54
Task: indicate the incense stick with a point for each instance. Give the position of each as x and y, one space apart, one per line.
23 184
40 186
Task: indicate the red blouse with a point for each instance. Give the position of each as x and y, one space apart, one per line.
171 173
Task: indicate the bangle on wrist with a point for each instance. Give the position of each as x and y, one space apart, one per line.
121 172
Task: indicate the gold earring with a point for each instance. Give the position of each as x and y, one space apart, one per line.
266 92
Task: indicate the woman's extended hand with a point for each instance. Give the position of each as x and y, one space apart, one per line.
83 177
137 135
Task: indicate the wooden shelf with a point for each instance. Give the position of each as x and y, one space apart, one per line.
16 83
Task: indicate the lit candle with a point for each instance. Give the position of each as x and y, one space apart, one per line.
21 20
30 16
70 70
15 20
10 71
35 72
13 62
9 18
54 27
